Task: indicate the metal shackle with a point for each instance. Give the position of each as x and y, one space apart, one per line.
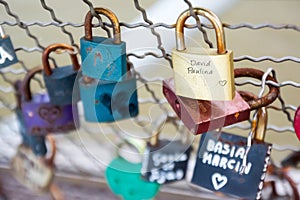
50 159
25 87
258 74
212 17
113 19
54 47
259 126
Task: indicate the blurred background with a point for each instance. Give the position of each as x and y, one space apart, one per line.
262 35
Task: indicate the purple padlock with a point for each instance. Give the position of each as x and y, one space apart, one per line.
40 116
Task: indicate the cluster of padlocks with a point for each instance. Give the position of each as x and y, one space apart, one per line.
202 94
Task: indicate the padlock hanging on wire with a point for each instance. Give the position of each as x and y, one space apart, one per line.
103 58
220 159
166 160
7 52
203 116
61 82
203 73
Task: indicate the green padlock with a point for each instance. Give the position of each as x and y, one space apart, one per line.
125 180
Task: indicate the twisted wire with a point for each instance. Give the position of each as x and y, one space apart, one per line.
52 13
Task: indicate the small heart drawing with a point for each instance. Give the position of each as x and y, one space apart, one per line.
223 82
218 181
50 113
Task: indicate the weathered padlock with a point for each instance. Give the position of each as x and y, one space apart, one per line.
108 101
35 142
166 161
203 73
61 82
203 116
7 52
120 172
36 173
103 58
40 116
220 157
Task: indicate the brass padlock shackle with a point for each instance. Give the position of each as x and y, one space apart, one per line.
258 74
25 86
212 17
54 47
111 16
260 125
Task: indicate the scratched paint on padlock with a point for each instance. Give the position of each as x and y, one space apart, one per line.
166 162
41 117
219 160
102 59
30 170
203 74
107 101
7 52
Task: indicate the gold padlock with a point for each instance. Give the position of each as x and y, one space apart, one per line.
203 73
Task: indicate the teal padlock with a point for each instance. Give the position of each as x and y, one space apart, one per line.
103 58
61 82
7 52
109 101
125 180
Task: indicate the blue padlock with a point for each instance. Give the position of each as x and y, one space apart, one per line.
7 52
108 101
36 143
103 58
61 82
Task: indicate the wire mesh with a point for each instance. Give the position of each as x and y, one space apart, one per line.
84 162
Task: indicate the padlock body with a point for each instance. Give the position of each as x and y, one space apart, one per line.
124 179
35 142
203 74
41 117
31 171
102 59
7 52
203 116
108 101
166 162
62 86
219 161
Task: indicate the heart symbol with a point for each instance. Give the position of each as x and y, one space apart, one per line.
223 82
50 113
218 181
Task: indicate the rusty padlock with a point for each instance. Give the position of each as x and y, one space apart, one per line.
202 116
61 82
40 116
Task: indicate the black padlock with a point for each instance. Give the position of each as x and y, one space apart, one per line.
165 161
220 157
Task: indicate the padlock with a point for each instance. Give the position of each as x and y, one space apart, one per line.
108 101
220 157
103 58
203 73
166 161
35 142
61 82
124 178
40 116
36 173
297 122
7 52
202 116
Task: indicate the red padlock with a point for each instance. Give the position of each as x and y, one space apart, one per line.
202 116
